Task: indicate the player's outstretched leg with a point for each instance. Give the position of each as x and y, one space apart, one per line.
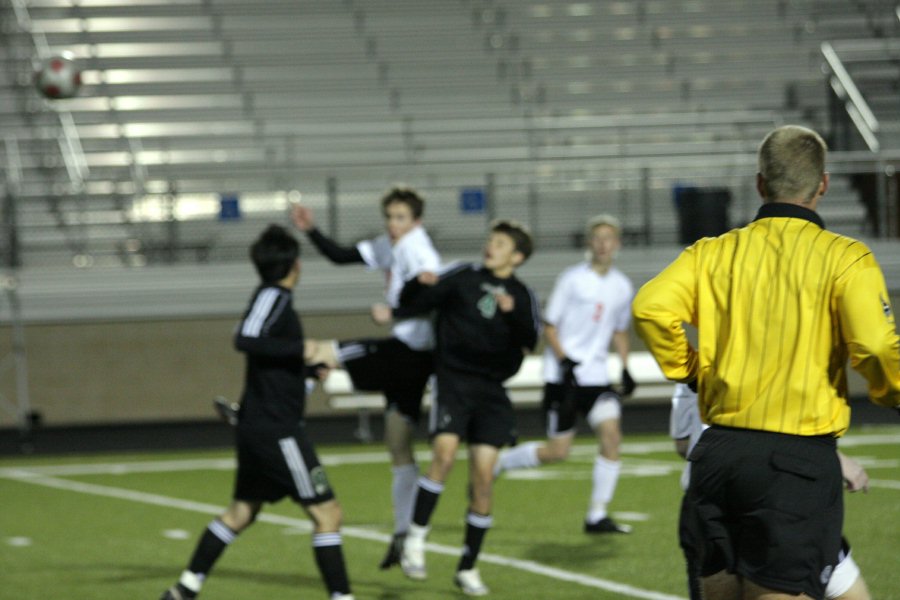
399 432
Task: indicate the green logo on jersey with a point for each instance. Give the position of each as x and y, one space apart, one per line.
319 480
487 304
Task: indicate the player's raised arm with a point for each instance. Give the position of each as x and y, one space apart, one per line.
303 219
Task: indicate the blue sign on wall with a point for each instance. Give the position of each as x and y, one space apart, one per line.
229 207
472 201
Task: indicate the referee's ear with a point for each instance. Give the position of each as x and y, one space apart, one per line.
761 187
823 186
813 202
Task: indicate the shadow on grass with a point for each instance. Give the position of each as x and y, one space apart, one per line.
571 555
365 587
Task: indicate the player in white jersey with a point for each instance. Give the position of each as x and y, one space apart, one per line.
685 427
398 366
589 309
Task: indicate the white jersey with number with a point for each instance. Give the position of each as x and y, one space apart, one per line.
412 254
587 308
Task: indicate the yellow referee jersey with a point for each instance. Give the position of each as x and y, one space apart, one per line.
779 305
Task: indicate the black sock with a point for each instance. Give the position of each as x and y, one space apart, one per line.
212 543
426 500
330 559
476 527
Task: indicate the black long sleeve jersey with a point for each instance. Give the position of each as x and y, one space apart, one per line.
271 336
341 255
473 334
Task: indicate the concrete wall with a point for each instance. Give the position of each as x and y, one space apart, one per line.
156 370
149 370
155 345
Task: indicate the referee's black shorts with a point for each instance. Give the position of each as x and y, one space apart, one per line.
389 366
766 506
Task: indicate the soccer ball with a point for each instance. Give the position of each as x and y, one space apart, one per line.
58 77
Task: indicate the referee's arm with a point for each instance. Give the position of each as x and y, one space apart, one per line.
869 330
660 309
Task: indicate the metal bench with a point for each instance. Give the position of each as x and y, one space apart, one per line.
525 388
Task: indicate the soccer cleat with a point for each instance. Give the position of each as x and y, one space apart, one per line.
177 592
412 557
606 525
469 581
228 411
395 549
342 597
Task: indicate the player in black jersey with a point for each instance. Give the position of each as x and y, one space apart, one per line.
274 455
487 320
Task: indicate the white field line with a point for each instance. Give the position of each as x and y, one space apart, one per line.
885 483
356 532
379 457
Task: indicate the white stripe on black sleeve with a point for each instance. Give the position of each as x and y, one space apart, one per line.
262 306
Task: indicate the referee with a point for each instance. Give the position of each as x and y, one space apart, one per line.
779 306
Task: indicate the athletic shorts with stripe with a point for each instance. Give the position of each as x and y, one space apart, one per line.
475 408
278 462
389 366
562 404
767 506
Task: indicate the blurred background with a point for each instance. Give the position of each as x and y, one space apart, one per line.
145 143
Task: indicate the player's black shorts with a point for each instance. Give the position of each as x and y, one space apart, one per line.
389 366
475 408
562 404
274 463
768 507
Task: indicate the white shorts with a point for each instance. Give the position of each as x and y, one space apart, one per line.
844 575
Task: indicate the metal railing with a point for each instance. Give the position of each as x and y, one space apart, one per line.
855 104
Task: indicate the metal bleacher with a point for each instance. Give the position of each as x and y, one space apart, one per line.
562 109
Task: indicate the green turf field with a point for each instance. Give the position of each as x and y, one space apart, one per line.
123 526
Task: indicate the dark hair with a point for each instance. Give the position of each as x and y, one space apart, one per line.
520 235
407 196
274 253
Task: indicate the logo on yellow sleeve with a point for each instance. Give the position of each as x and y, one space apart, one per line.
885 306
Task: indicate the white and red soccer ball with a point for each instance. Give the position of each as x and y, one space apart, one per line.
58 77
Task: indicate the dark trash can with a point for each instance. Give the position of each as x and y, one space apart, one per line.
702 212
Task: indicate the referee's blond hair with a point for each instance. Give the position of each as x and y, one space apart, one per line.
792 163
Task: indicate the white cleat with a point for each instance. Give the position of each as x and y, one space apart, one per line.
412 558
469 581
342 597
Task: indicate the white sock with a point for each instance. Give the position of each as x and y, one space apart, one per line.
403 491
417 532
606 475
523 456
191 581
